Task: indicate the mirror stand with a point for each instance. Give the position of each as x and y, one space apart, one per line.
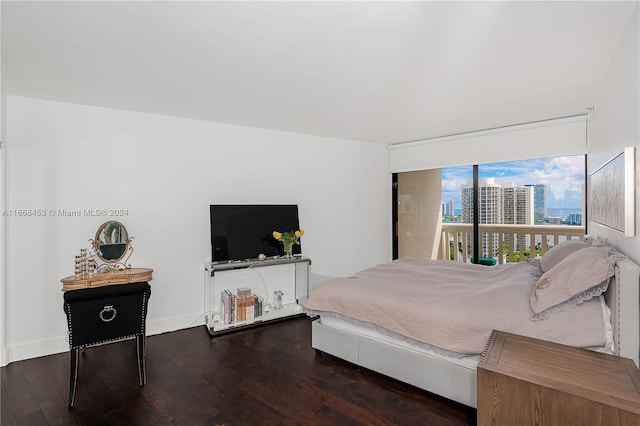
111 247
108 266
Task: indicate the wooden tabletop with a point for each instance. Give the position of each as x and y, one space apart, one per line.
580 372
118 276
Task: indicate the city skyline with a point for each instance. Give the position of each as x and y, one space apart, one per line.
564 177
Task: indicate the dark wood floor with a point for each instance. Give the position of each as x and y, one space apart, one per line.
267 375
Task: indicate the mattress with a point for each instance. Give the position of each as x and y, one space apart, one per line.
468 361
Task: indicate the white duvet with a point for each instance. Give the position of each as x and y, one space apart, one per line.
454 306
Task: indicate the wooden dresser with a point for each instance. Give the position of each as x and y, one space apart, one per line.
525 381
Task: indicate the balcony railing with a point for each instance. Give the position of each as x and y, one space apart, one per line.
503 242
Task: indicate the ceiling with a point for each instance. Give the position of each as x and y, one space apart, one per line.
381 72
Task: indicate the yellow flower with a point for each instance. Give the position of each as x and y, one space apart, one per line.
288 237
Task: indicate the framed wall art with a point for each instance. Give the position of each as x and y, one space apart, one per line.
612 194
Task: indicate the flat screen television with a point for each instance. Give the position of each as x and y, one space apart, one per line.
244 231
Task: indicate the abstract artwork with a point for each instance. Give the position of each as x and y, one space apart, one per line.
612 194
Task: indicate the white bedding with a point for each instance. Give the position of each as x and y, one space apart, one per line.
453 307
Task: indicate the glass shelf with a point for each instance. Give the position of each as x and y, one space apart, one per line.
288 310
254 263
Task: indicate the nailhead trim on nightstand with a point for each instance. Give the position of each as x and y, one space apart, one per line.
130 336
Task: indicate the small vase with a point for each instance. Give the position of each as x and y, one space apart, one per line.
277 299
288 247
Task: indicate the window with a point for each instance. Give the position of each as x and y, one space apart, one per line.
524 208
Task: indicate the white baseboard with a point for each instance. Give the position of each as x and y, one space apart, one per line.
165 325
4 357
36 349
60 344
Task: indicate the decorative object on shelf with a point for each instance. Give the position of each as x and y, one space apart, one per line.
111 244
84 266
277 299
91 267
79 266
262 256
288 239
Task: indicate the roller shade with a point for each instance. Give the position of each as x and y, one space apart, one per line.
549 138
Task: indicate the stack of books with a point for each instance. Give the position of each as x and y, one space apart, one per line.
241 306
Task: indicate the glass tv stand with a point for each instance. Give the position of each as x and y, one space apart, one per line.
240 294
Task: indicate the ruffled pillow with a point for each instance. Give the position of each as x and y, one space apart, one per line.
580 276
558 253
596 242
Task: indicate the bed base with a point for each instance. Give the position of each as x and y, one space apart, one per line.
457 382
424 371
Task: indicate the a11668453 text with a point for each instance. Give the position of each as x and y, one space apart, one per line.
28 212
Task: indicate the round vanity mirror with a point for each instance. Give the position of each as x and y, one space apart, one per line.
111 242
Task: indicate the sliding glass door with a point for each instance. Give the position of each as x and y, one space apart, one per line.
523 209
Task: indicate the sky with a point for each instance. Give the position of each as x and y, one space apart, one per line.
564 177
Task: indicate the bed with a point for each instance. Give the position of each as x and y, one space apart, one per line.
598 312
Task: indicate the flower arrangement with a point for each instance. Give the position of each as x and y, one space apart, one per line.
288 239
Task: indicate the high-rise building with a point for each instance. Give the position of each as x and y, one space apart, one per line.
510 204
540 199
448 208
489 211
518 209
574 219
518 204
489 201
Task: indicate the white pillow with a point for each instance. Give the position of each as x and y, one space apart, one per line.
595 241
558 253
578 277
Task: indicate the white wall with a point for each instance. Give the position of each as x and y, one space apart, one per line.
166 171
616 124
3 160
